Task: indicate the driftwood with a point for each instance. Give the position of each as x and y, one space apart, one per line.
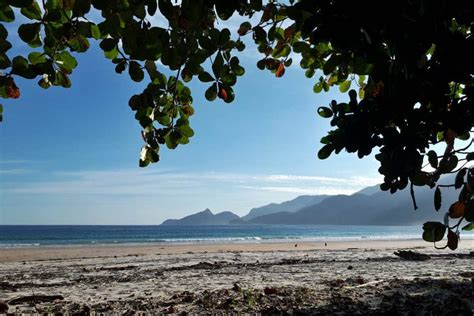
411 255
35 299
364 284
118 268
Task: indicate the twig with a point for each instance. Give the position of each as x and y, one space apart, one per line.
412 193
446 185
456 226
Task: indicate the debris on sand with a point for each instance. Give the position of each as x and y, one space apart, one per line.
411 255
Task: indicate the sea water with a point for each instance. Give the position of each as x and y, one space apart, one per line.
13 236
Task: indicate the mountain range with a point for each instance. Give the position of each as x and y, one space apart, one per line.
369 206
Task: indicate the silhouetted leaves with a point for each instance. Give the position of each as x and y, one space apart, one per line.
135 71
459 181
433 159
437 199
433 231
325 151
325 112
453 240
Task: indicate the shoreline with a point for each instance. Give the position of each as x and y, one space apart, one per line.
59 252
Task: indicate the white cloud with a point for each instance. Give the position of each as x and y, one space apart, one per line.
169 182
362 181
13 171
141 196
8 162
303 190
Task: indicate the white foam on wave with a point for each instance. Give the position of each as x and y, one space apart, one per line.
19 245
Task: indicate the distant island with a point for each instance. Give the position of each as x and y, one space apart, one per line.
205 217
369 206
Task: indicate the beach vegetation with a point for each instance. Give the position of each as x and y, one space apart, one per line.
404 70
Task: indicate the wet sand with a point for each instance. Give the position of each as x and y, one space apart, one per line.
74 252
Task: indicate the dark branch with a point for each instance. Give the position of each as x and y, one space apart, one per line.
412 193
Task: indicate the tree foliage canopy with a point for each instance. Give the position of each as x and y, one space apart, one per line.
409 63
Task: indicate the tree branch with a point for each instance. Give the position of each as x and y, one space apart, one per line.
412 193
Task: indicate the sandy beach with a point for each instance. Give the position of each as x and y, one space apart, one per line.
363 277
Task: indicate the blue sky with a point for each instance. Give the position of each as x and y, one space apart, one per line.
70 156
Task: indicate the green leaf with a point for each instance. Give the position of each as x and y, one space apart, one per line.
468 227
360 67
447 164
325 151
464 136
437 199
79 43
345 86
310 73
66 61
154 156
121 67
226 93
420 178
37 58
135 71
244 28
6 14
464 195
469 213
433 231
331 64
44 83
361 93
224 36
151 7
81 7
62 79
433 159
186 75
235 66
172 140
32 12
143 163
211 93
108 44
20 3
318 87
3 32
21 67
470 156
460 178
5 62
325 112
69 4
112 54
95 31
186 130
29 32
204 76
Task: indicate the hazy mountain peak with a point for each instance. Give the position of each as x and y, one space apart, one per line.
205 217
288 206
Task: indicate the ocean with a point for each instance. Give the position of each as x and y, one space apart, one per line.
17 236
